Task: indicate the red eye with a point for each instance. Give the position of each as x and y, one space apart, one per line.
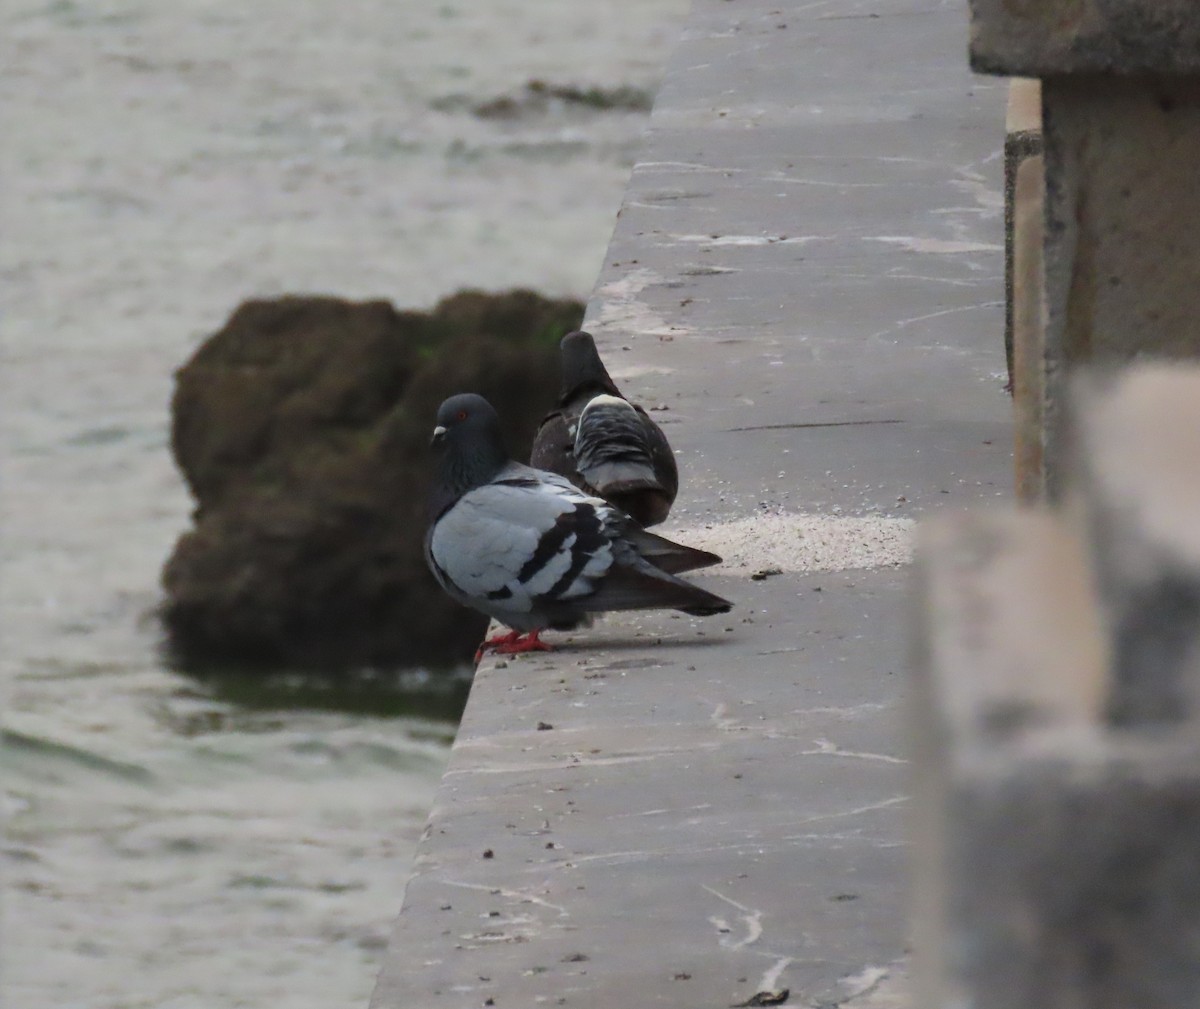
461 415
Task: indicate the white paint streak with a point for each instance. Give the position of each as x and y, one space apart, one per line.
977 186
904 323
753 847
827 748
521 895
659 812
856 811
864 982
751 918
745 239
794 181
685 166
935 246
720 718
573 760
897 275
620 306
770 979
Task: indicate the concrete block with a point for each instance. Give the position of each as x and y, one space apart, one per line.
1122 252
1075 882
1057 855
1043 38
1136 473
1010 639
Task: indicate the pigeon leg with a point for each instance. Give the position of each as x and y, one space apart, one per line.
523 643
497 644
512 643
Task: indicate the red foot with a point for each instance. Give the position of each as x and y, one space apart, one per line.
513 643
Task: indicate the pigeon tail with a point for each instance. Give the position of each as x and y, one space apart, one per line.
643 587
667 555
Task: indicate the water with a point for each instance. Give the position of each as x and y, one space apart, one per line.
168 846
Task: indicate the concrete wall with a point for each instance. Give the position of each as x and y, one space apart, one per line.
1120 97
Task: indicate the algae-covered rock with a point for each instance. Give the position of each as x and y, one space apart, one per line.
302 429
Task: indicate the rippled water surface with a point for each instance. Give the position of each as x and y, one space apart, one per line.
169 843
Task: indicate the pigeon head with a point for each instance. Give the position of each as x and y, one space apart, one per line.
582 367
468 437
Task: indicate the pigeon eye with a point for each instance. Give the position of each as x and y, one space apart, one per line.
461 415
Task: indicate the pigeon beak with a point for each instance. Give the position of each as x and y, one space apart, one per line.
439 433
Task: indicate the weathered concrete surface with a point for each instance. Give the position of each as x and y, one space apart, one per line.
1027 298
1022 141
1121 256
812 236
1040 38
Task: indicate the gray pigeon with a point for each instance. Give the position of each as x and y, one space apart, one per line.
603 443
532 550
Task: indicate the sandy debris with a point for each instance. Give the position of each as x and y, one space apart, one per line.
803 542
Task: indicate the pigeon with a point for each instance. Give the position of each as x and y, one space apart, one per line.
603 443
531 549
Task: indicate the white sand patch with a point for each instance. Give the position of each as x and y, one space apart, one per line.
803 542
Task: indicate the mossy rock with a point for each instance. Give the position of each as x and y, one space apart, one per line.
302 429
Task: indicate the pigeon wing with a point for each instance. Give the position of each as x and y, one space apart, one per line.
663 458
611 446
617 450
554 446
522 543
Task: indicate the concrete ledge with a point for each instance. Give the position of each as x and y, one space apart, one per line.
807 274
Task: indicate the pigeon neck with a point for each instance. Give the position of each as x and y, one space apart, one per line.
472 467
591 377
583 371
